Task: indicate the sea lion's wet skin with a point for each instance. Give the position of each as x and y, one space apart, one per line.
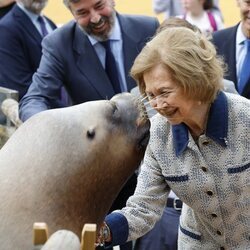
66 166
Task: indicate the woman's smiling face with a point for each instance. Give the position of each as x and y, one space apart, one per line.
166 96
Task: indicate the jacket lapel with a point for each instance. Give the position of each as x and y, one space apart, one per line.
26 24
52 25
246 90
230 55
89 64
132 45
229 52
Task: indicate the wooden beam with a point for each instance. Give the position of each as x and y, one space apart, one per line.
88 237
40 233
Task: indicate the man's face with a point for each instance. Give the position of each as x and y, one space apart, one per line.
95 17
35 6
192 5
244 6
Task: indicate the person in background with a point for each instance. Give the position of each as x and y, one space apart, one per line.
191 149
174 7
5 7
169 7
199 13
20 43
164 235
80 56
234 45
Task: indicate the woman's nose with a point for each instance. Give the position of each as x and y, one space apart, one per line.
158 102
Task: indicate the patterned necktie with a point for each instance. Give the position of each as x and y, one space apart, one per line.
245 69
43 26
111 68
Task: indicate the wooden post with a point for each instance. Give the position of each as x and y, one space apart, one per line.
88 237
40 233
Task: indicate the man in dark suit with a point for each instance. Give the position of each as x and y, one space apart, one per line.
74 57
230 44
20 44
6 6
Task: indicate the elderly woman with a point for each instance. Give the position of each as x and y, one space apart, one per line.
199 147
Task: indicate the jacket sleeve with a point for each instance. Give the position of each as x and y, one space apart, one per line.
45 90
144 208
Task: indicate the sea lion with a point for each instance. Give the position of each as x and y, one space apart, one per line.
62 240
65 166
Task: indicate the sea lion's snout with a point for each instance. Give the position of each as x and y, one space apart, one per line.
129 104
133 115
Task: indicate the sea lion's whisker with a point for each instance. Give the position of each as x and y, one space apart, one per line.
143 98
151 108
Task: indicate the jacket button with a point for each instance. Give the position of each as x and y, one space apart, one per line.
204 169
214 215
205 143
210 193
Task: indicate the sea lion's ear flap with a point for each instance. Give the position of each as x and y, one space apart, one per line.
91 133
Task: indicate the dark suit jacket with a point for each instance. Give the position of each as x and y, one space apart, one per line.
20 50
69 59
225 43
5 9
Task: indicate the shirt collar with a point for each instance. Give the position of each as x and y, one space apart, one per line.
115 34
216 126
30 14
240 37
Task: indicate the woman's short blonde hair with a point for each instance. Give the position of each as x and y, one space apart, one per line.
188 56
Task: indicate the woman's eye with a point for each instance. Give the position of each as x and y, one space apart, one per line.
165 94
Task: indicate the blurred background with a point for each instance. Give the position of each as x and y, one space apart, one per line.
57 11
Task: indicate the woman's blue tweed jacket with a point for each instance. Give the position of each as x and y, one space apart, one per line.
211 177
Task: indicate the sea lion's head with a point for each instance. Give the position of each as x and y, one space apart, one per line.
125 118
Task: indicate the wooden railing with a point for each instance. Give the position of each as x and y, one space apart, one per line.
63 239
